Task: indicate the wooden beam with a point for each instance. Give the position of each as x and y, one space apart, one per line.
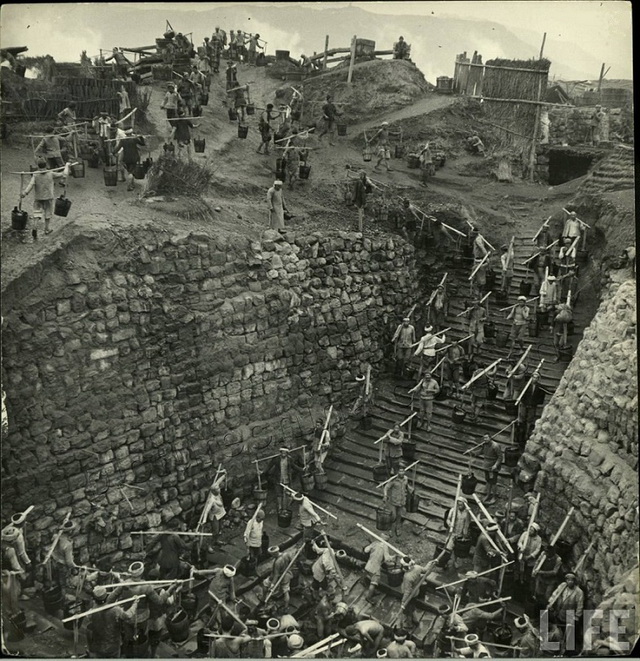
534 103
353 59
326 48
497 66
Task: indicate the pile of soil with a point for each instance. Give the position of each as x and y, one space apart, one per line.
377 86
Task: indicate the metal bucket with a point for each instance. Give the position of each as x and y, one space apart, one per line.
305 171
320 480
178 626
198 145
77 170
380 473
284 518
457 415
19 219
308 482
260 495
250 109
394 577
525 288
52 600
384 519
62 206
341 129
409 451
461 547
510 407
413 502
566 353
511 456
243 131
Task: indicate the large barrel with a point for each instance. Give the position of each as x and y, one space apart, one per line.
52 600
320 480
394 577
502 338
140 645
511 456
260 495
462 546
198 145
203 641
380 473
305 170
77 170
17 626
492 391
284 518
110 174
525 288
566 353
510 407
19 219
384 519
62 206
72 609
444 560
178 626
308 482
413 502
468 484
409 451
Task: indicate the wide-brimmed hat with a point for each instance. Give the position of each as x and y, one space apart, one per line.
295 641
10 534
229 571
136 569
100 593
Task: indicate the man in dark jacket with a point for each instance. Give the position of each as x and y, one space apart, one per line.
283 469
104 638
329 115
362 188
532 398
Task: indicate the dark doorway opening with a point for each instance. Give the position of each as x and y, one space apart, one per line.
565 165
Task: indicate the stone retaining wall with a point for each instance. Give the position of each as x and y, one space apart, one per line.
155 364
587 443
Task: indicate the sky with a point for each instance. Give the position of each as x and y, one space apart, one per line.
602 28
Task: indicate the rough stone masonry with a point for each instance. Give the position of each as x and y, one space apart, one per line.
586 441
160 361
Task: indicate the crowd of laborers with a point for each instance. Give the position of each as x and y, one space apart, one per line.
127 609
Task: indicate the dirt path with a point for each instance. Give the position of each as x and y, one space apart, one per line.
242 178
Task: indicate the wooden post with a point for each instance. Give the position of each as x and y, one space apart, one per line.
544 38
353 59
534 139
600 83
326 48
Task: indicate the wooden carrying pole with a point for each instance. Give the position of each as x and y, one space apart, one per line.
482 573
522 358
581 562
404 422
478 266
334 559
537 234
477 376
524 390
272 456
171 532
303 654
294 493
104 607
483 531
275 586
482 300
384 541
529 300
393 477
56 539
484 603
223 605
484 510
563 525
481 642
